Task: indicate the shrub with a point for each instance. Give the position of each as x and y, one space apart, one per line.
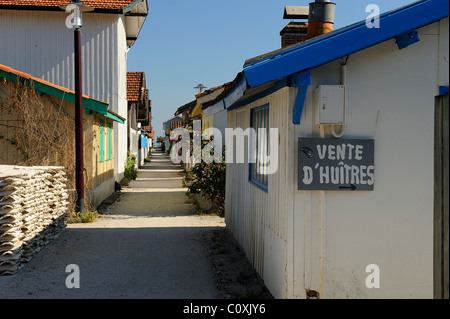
130 167
209 181
87 216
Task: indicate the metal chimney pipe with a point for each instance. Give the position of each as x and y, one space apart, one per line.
321 17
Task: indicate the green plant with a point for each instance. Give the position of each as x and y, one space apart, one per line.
87 216
160 139
162 142
130 167
209 181
117 186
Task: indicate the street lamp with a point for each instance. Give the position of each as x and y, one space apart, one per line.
75 21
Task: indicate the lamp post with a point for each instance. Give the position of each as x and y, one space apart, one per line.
75 21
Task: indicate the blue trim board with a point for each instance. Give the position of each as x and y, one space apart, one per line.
345 41
443 90
302 80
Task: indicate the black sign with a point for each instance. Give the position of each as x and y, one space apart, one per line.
335 164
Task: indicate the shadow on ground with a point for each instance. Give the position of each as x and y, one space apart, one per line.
133 262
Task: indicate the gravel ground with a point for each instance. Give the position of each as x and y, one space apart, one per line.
149 244
235 277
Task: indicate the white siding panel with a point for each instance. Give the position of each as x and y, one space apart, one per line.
259 219
38 43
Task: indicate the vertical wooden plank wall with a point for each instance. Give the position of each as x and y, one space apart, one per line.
251 213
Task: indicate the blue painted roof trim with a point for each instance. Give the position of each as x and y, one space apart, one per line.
301 80
345 41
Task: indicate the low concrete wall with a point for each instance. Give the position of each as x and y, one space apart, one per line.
95 197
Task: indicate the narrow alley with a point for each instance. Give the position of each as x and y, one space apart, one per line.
147 245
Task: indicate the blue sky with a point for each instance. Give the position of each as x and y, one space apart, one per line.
187 42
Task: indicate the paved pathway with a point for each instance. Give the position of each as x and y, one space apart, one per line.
148 246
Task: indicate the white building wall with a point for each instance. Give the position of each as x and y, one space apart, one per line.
121 138
220 123
134 141
39 43
393 225
390 98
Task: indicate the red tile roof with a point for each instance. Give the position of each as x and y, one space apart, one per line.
136 91
98 4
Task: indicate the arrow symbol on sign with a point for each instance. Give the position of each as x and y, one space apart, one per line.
352 187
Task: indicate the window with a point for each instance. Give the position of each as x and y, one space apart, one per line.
259 122
102 142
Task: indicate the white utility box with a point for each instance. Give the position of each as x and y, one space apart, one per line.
329 104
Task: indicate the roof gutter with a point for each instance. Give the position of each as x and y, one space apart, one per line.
127 10
135 15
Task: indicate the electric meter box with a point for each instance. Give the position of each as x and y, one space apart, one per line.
329 104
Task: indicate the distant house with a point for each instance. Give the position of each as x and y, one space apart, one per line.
184 112
168 127
35 40
356 205
139 116
36 127
146 122
208 107
214 108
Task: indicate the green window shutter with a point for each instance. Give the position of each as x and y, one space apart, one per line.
102 142
109 141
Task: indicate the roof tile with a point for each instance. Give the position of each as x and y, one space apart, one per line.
98 4
136 90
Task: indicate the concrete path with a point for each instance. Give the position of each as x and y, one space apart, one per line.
149 245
